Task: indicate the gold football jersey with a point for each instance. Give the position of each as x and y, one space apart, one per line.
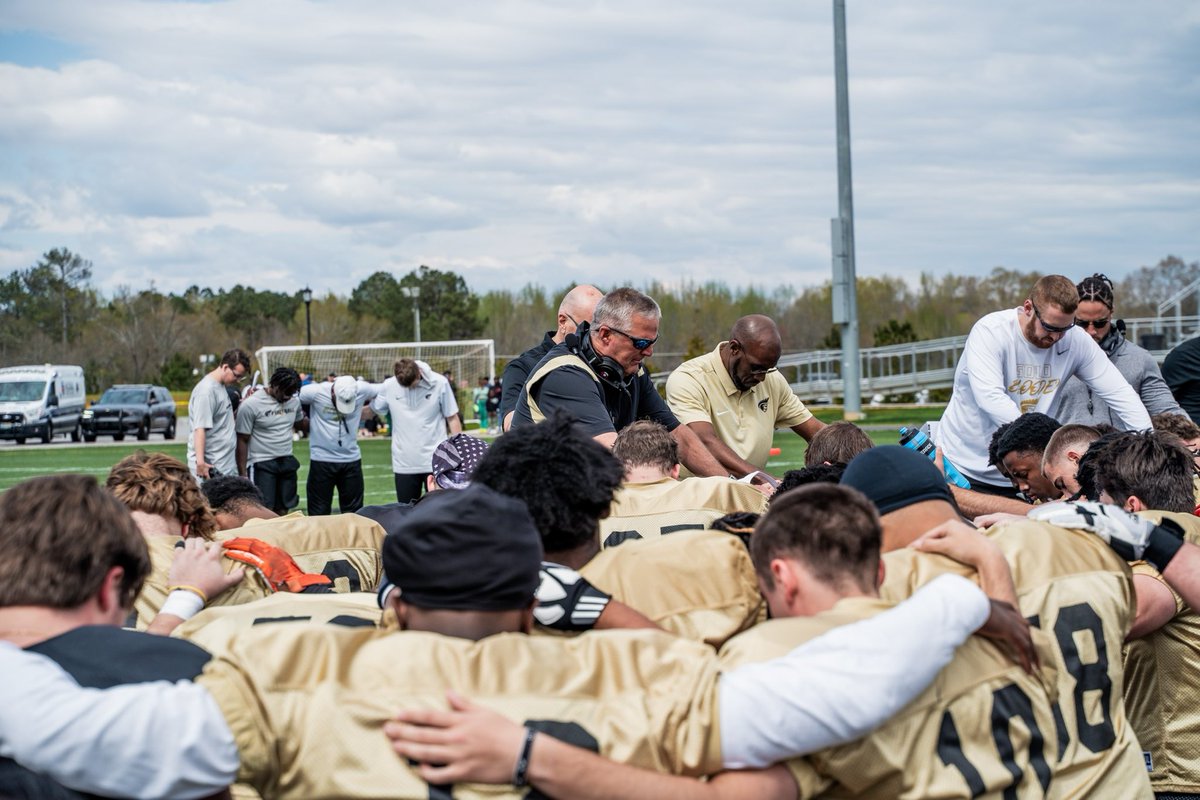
306 704
1072 586
154 590
699 585
984 728
344 547
662 507
1162 682
216 627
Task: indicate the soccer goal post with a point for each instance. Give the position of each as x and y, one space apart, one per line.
466 360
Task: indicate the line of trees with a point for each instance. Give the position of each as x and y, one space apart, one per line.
51 312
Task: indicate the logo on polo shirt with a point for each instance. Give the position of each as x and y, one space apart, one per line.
762 404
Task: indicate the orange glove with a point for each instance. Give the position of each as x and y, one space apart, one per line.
273 563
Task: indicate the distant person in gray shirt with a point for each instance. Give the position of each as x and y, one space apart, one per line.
265 422
335 462
212 440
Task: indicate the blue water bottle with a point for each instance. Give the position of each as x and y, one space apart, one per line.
915 439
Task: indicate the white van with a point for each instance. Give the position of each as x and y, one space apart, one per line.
40 402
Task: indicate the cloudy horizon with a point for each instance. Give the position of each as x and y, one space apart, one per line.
281 143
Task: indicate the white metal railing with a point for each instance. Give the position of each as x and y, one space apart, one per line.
914 366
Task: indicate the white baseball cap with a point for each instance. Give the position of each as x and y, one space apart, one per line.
345 394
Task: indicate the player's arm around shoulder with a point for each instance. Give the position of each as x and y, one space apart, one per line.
1157 603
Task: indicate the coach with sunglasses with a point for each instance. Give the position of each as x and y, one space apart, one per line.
596 376
1016 361
1095 315
734 397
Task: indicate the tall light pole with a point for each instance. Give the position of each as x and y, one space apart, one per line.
845 283
306 294
414 292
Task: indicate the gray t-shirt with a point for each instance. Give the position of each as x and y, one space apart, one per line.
269 424
333 436
209 408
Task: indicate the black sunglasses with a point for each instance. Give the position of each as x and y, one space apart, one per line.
1049 328
1098 324
638 344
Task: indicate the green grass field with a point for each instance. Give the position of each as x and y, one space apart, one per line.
18 463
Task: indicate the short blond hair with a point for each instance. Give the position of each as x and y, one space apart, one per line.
1069 437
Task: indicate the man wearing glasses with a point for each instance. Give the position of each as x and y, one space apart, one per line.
1016 361
212 442
596 376
1095 315
734 398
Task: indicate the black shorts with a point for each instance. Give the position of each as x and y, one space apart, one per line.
276 479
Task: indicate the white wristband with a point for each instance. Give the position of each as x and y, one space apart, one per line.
183 604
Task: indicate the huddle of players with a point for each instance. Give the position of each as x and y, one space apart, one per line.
265 705
652 701
983 728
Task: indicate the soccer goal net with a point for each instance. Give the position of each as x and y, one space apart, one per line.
466 360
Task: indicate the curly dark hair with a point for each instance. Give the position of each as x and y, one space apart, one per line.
994 459
1028 433
739 523
565 477
817 473
228 492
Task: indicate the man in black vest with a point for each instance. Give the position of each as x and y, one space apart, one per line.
596 376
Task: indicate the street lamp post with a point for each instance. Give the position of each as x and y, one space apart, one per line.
414 292
845 282
306 294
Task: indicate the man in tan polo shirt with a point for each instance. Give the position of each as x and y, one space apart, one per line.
652 501
734 398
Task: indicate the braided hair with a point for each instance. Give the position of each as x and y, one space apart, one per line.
285 380
1097 288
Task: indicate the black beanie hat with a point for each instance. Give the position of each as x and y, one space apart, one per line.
470 550
894 477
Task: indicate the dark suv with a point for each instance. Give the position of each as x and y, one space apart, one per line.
137 408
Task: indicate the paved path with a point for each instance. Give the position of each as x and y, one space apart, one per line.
182 429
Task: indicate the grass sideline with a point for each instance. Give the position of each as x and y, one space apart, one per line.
18 464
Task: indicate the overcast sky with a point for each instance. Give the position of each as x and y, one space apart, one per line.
278 142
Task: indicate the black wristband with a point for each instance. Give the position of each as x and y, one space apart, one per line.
520 776
1165 541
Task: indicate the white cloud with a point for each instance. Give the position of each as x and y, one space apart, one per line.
308 142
